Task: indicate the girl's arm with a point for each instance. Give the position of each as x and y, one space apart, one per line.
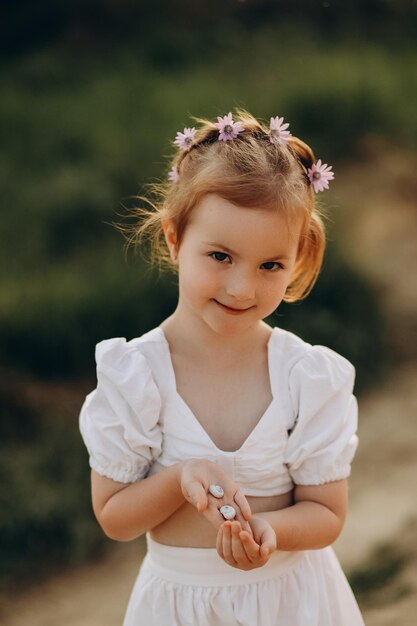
125 511
314 521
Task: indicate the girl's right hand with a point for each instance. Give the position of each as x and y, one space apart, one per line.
243 551
196 476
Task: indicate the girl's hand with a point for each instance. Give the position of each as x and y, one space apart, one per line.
242 550
196 476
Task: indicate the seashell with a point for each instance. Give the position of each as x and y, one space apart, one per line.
228 511
216 491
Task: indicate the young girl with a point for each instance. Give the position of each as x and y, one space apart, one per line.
227 441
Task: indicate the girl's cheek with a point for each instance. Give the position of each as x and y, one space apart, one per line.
207 277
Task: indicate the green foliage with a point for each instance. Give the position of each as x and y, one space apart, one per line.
53 319
78 138
385 565
45 513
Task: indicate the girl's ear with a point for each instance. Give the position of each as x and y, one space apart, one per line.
171 238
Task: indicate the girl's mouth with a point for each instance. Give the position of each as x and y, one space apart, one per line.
230 310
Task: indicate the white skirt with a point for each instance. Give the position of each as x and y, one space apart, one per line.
195 587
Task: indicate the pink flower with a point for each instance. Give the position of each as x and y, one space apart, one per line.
320 174
228 129
173 174
185 139
277 131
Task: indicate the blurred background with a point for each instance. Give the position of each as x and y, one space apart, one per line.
92 94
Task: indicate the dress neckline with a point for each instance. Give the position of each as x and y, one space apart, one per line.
193 419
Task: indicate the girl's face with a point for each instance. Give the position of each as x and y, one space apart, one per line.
235 264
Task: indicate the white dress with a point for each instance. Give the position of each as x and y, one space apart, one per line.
135 423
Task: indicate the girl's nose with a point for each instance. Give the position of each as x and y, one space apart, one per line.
241 286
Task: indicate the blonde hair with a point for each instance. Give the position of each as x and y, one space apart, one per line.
249 171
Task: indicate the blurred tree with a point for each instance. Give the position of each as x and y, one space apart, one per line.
88 23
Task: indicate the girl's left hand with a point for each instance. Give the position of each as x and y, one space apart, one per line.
240 550
195 477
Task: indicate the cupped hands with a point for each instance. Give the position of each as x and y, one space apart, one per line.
245 550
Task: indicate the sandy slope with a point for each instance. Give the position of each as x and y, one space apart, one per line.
383 481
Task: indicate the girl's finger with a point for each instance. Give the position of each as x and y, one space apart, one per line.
195 493
243 505
227 544
241 516
238 550
268 541
250 546
219 542
245 525
265 550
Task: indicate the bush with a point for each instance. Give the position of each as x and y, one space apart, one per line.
46 519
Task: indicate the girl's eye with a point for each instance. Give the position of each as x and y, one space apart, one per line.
220 257
272 266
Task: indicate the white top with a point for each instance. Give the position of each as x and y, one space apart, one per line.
135 423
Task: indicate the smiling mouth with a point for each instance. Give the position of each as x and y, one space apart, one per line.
229 309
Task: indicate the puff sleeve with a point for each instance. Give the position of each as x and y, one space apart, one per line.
323 440
119 419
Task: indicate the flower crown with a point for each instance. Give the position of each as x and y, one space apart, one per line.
319 174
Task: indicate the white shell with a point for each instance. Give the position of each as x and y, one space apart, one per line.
228 511
216 491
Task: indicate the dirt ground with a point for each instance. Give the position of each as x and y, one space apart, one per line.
379 541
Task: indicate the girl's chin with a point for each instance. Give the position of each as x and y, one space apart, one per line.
231 325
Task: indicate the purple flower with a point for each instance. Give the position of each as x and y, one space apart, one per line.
173 174
185 139
228 129
320 174
277 131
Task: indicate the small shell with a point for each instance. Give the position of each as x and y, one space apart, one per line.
216 491
228 511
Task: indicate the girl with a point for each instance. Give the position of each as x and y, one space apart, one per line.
227 441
